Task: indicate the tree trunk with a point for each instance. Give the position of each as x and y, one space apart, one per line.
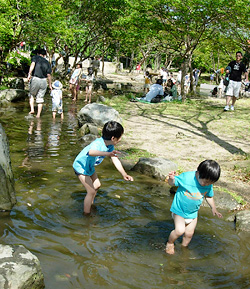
131 62
183 74
192 86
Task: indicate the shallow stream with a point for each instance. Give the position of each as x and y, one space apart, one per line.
122 244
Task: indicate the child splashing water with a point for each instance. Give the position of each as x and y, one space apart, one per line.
192 188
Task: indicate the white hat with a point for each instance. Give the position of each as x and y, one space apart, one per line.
57 84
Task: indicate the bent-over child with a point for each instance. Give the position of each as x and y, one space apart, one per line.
192 188
57 103
92 155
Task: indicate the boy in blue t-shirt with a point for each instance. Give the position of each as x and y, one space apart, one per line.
92 155
192 188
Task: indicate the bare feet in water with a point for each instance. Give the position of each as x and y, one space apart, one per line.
170 249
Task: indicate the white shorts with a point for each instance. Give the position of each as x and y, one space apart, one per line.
187 221
233 88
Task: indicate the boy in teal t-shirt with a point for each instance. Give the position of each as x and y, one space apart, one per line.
192 188
92 155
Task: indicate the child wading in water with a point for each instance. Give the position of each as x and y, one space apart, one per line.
93 154
192 188
57 103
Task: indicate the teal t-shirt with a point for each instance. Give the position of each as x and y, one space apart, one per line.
84 163
189 195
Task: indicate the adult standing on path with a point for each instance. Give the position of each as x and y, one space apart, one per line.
233 90
39 72
95 65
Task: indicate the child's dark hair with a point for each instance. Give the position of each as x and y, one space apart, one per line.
159 81
209 170
112 129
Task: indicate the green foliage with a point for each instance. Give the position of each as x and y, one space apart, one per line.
16 59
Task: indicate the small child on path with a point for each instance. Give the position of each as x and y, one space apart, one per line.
147 82
92 155
89 79
57 103
192 188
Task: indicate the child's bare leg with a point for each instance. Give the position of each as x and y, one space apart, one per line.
62 115
90 93
91 184
86 98
54 114
189 232
179 230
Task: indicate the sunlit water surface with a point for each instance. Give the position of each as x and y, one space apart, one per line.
122 244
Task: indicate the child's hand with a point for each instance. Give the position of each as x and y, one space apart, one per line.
128 178
215 212
171 176
114 153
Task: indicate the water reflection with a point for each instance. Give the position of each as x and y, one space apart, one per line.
122 244
35 143
54 137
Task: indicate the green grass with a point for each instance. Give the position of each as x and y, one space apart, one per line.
134 154
205 115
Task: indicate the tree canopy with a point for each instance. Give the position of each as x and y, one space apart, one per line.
183 33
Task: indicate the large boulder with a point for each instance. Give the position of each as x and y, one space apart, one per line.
242 220
7 184
12 95
17 83
19 269
98 114
157 168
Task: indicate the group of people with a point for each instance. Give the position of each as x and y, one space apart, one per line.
163 88
39 77
75 80
193 186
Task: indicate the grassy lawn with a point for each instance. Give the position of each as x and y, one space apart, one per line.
206 117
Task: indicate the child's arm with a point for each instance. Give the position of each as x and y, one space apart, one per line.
117 163
211 203
171 176
95 153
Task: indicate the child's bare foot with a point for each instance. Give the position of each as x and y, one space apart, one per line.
170 249
31 112
85 100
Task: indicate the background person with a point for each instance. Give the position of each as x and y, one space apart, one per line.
39 72
57 103
233 89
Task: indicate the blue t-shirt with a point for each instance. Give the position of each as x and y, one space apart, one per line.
84 163
189 195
